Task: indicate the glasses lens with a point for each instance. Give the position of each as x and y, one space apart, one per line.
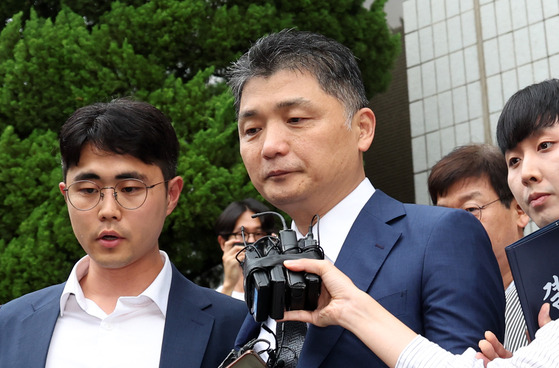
131 193
84 195
257 235
474 210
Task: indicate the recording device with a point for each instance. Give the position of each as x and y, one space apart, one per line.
270 288
248 359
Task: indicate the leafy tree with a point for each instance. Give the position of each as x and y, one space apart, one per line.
57 56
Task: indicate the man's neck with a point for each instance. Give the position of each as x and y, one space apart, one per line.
104 286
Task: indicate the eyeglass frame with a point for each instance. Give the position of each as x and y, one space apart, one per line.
481 208
115 195
242 235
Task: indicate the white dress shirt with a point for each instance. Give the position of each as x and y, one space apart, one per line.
543 352
332 231
131 336
239 295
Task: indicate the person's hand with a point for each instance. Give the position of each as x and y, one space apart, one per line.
338 293
491 348
231 268
544 317
342 303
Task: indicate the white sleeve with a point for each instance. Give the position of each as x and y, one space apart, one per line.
422 353
542 352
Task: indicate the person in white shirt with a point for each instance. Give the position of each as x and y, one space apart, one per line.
528 136
235 228
342 303
124 304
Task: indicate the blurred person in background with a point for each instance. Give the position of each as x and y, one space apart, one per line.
235 226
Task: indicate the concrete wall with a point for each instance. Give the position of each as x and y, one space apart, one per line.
465 58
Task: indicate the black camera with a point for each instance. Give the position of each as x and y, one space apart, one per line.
270 288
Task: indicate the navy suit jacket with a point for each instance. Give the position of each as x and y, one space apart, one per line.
432 267
200 326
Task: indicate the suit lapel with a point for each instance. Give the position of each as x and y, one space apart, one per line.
249 330
365 249
41 319
187 326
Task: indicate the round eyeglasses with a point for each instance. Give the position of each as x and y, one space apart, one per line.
131 194
475 210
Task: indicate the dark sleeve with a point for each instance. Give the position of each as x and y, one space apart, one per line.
463 293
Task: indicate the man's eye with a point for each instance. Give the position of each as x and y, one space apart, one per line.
131 189
88 191
513 161
545 145
252 131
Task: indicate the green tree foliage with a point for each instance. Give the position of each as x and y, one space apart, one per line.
56 56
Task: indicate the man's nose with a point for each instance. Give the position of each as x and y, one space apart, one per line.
108 206
530 172
275 140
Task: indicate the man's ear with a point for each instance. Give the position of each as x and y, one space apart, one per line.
522 218
366 124
174 189
62 186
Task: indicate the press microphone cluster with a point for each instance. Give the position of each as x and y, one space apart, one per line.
270 288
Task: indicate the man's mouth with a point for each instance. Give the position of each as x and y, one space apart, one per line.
277 173
537 199
109 237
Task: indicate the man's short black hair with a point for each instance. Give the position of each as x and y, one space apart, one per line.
527 111
470 161
331 63
124 127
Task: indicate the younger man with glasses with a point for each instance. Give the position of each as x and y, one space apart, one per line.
124 303
235 227
474 178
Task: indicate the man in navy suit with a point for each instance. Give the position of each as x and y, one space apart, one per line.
124 304
303 127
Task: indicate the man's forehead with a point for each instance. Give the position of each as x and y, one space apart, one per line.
467 188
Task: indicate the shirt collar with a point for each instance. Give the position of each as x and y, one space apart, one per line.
333 227
157 291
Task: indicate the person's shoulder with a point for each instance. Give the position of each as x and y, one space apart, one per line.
209 299
224 301
438 212
35 299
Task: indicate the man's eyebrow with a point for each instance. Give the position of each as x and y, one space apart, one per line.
131 175
299 101
124 175
470 195
87 176
247 114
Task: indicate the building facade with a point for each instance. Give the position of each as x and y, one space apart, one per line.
464 59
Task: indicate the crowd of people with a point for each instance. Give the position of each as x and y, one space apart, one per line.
403 285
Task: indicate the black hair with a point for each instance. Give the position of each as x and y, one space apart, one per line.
331 63
225 223
124 127
527 111
471 161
